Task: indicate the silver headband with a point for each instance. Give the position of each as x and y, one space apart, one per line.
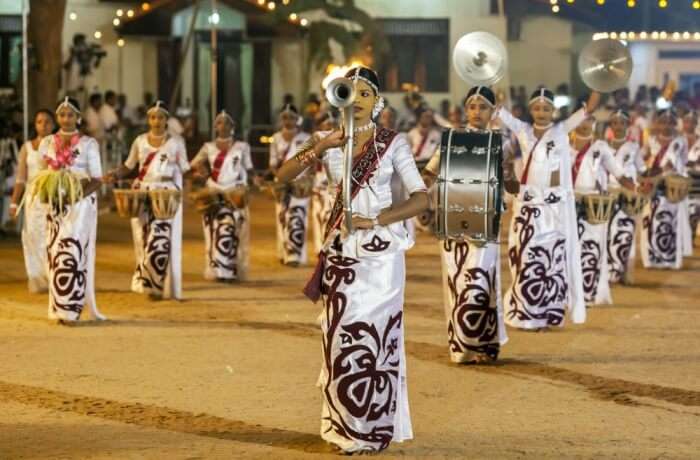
159 108
67 103
541 97
357 76
620 114
224 114
288 109
478 94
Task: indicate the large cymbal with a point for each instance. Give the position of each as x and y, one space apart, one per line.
605 65
480 58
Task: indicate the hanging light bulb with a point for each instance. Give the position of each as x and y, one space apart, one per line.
116 22
663 3
600 2
631 3
120 12
643 35
555 9
271 6
97 34
120 43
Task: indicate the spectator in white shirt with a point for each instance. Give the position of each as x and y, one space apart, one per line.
93 122
108 113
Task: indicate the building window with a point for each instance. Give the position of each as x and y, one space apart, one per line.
10 50
418 55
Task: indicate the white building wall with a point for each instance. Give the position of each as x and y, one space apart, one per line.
650 70
543 54
138 70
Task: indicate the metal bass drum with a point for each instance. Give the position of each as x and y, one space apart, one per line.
469 201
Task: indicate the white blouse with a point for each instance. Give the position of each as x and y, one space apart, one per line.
234 169
675 156
550 154
694 152
628 158
597 163
29 163
281 150
376 195
169 163
86 152
432 142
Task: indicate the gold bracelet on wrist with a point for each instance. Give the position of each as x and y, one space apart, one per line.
306 154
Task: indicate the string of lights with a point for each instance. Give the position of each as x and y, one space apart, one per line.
649 36
556 4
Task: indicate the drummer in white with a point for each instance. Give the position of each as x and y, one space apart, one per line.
592 162
227 164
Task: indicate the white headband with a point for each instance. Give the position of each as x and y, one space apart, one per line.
67 103
159 108
620 114
478 94
541 97
224 114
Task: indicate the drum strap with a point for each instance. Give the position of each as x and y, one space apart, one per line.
526 171
146 164
362 169
422 144
218 163
576 168
660 156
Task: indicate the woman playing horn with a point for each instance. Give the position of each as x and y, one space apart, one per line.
160 161
361 275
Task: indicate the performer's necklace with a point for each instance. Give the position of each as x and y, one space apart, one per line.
67 133
543 127
157 136
584 138
619 140
363 128
224 139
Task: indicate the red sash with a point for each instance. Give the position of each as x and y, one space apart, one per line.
146 164
660 156
422 144
576 168
363 167
526 171
218 163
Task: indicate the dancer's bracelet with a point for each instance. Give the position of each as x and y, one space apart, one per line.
306 153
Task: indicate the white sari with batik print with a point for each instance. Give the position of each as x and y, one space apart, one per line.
226 229
158 242
72 233
590 176
363 376
665 236
291 212
694 201
622 226
543 247
472 298
34 226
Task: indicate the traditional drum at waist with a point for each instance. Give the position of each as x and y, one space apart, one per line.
648 185
469 186
596 207
164 202
676 188
130 203
209 199
631 202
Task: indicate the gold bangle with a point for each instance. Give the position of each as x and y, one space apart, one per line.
306 154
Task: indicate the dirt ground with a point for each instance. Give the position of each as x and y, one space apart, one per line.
229 372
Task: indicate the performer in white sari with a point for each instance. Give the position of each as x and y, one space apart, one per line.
592 161
472 273
666 226
622 227
226 228
322 198
361 277
291 212
161 160
543 247
34 226
72 229
690 126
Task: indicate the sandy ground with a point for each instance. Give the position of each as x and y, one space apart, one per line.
229 372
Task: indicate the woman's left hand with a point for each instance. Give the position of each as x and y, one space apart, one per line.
362 222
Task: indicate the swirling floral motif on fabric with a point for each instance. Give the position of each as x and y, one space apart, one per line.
222 226
67 260
473 325
152 270
661 228
540 285
376 245
361 360
295 228
620 239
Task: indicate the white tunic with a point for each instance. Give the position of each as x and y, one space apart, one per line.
424 146
282 150
167 165
234 169
597 163
628 158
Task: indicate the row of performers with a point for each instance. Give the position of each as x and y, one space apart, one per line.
558 260
360 276
59 242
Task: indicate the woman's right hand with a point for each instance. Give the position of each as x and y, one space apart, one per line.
337 138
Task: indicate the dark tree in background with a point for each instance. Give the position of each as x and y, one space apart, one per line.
45 31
